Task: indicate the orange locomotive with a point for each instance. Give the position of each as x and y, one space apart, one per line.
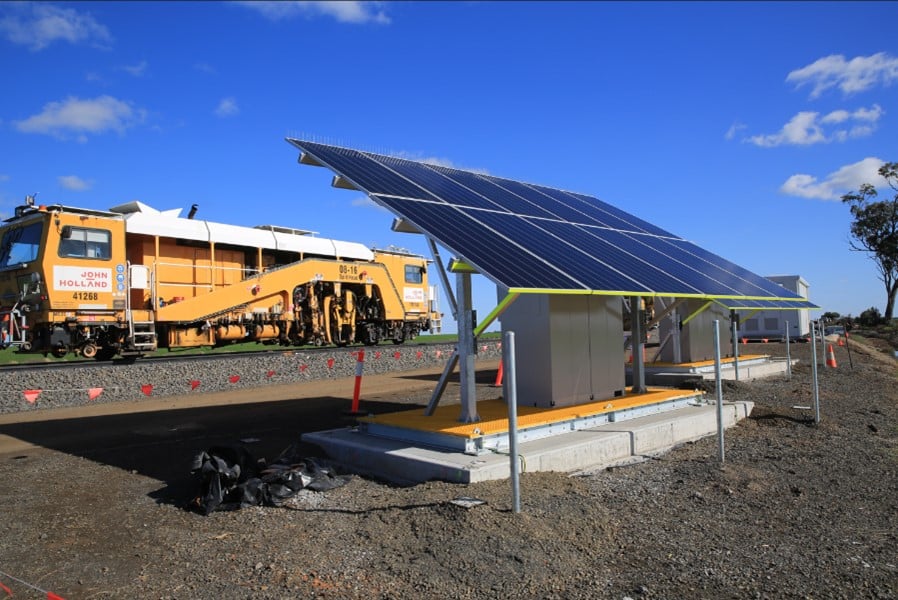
124 281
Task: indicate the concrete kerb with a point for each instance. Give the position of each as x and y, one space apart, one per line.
403 463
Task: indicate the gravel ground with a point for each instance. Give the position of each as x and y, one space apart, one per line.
797 511
59 387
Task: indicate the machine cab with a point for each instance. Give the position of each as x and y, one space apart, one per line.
63 274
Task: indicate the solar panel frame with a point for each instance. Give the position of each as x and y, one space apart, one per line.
492 188
367 173
492 223
566 256
503 260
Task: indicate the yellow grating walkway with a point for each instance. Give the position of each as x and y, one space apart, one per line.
709 363
494 414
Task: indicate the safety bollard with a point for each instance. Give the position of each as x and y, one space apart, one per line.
359 367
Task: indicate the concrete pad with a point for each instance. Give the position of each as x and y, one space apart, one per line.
406 463
750 367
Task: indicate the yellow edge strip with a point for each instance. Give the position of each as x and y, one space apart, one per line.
570 292
460 266
494 414
698 312
500 308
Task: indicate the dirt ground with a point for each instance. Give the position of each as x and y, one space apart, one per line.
92 504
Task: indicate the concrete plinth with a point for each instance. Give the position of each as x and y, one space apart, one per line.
676 374
409 462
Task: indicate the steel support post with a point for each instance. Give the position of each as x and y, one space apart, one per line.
788 355
677 325
719 387
816 380
637 343
441 384
734 319
466 342
511 399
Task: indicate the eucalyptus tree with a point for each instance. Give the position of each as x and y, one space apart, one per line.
875 230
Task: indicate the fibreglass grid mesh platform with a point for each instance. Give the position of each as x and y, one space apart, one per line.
443 429
702 364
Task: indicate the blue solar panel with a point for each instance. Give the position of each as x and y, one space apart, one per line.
627 253
443 187
491 187
718 281
633 223
367 173
593 271
527 236
504 260
707 260
742 304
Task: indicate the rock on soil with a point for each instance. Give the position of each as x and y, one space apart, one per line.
798 510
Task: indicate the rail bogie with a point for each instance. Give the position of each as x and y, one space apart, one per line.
125 281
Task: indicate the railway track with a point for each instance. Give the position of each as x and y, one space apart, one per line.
182 359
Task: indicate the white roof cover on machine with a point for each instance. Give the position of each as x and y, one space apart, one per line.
535 239
140 218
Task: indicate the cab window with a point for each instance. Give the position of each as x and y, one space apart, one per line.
80 242
20 245
414 274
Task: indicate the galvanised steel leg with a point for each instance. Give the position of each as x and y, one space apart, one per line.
717 384
466 343
511 398
637 343
441 384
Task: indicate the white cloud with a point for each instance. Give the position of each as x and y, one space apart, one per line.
836 116
871 114
851 76
74 183
37 25
80 117
137 70
437 162
4 177
808 127
366 202
344 12
734 130
227 108
842 181
803 129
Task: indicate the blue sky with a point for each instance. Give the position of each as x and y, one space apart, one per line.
735 125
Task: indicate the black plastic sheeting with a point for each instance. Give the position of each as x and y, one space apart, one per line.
230 478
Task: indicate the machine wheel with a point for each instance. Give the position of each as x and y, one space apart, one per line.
89 350
60 351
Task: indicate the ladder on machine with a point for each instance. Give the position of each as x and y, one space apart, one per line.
13 328
142 334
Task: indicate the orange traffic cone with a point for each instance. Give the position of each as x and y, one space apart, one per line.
830 357
499 374
841 343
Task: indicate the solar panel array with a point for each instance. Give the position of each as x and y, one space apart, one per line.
531 238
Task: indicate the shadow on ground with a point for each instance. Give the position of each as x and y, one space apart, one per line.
163 444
